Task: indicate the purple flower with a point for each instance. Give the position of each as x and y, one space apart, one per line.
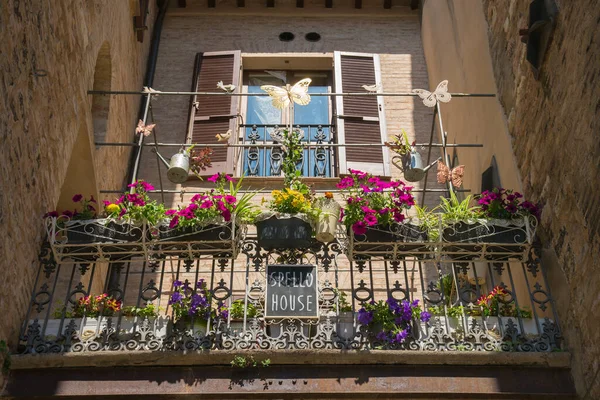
230 199
177 284
370 219
364 317
359 228
68 214
170 212
213 178
123 212
206 204
226 215
382 336
92 200
176 298
401 336
425 316
346 182
77 198
174 222
368 210
398 216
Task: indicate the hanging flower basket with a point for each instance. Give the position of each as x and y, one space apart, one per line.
278 231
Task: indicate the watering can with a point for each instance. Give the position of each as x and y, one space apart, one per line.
412 165
178 166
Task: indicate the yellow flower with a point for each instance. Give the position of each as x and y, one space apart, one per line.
112 208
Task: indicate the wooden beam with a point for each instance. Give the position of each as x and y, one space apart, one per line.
414 4
328 3
212 3
182 3
300 3
241 3
271 3
357 3
387 4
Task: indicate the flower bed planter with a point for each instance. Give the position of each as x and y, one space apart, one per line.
209 239
382 240
287 232
93 231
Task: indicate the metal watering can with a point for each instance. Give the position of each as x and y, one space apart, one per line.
412 165
178 166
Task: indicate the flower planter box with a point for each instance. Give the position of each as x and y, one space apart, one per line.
345 325
381 240
278 233
160 326
492 324
100 231
205 239
508 238
198 327
275 330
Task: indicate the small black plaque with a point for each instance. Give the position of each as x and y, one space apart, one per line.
292 291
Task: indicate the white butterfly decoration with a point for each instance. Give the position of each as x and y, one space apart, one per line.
283 96
440 94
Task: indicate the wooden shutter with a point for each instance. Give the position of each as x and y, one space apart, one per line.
360 119
215 114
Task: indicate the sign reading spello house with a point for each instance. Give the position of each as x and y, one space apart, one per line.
292 291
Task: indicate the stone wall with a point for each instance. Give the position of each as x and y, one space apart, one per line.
553 124
48 58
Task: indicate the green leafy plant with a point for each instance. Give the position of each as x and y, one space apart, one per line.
429 222
342 304
147 311
454 210
248 361
400 144
236 310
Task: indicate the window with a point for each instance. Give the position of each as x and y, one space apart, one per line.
358 120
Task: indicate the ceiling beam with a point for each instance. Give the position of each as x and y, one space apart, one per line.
241 3
414 4
328 3
271 3
212 3
387 4
357 3
182 3
300 3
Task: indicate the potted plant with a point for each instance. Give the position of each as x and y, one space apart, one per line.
210 220
510 221
345 316
236 313
193 307
374 214
496 307
390 322
134 316
462 225
328 217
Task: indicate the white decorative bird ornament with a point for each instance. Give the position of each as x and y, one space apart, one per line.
226 88
284 96
221 137
372 88
440 94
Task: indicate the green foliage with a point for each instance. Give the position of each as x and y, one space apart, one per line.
455 311
342 304
454 210
428 222
292 148
5 354
400 144
236 311
249 361
148 311
245 210
446 286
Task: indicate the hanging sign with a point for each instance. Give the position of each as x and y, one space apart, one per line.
292 291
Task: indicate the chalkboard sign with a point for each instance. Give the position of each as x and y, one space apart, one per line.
292 291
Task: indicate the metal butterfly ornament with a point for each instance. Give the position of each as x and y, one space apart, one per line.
284 96
144 129
439 94
444 174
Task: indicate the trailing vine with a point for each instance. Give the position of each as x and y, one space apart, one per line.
5 354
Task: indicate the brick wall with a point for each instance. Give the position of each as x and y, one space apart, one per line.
43 116
551 149
396 39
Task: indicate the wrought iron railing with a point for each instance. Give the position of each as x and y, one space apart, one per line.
262 160
522 319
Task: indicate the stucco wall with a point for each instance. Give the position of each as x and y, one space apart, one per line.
42 117
543 133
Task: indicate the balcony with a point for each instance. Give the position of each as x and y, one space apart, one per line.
522 319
